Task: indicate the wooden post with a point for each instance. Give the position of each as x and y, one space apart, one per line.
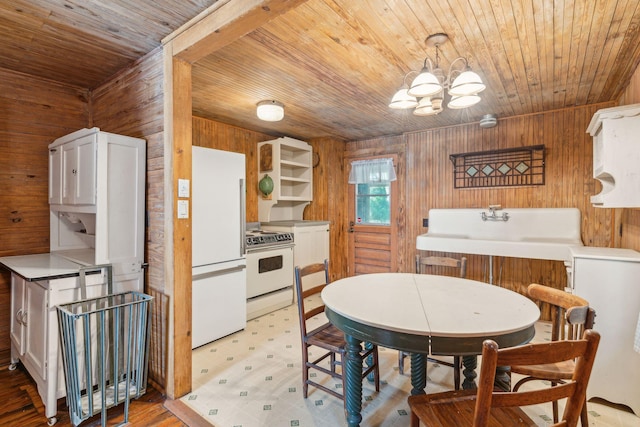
181 153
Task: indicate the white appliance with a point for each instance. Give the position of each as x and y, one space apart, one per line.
219 291
608 279
269 271
312 244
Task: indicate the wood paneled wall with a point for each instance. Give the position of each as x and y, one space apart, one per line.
427 174
330 200
628 225
132 103
569 183
33 112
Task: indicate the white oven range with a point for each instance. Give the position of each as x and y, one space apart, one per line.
269 257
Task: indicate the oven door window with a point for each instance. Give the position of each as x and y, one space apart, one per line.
272 263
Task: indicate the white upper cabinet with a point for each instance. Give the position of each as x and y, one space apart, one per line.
616 156
97 200
79 171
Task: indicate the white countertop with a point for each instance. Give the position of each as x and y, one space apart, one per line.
614 254
294 223
430 305
40 266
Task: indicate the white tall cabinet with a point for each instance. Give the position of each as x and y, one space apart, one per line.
96 199
609 278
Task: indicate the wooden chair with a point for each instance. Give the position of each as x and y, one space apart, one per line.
326 336
486 407
422 266
570 317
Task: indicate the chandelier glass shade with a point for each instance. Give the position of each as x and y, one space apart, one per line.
426 92
402 99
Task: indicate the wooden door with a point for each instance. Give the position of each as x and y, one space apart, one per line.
372 247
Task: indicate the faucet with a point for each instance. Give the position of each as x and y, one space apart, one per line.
493 216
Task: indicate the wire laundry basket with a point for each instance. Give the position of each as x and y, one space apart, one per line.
105 348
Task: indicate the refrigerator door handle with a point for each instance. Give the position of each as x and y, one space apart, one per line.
203 271
243 217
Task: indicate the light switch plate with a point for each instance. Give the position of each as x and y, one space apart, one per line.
183 188
183 209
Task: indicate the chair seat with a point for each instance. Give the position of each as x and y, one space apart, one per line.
327 336
438 412
551 372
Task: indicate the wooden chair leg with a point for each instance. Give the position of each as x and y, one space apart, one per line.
584 417
555 407
415 421
344 382
305 380
305 371
376 372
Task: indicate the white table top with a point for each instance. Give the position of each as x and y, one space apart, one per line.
430 305
40 266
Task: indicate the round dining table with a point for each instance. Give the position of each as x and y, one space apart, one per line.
423 314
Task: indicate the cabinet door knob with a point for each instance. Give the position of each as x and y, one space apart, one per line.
24 318
19 316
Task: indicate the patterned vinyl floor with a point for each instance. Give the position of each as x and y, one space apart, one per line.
253 379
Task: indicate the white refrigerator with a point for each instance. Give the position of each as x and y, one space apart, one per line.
219 292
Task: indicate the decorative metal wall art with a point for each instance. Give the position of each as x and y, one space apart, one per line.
508 167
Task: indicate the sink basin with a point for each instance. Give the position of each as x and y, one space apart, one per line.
546 233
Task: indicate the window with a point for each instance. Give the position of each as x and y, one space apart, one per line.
372 179
373 204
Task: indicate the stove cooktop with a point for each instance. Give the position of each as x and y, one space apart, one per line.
260 238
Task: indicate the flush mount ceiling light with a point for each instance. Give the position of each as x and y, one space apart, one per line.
270 111
426 92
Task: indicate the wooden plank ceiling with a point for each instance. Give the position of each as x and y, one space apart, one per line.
84 42
336 63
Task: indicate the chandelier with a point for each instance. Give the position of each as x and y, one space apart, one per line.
426 93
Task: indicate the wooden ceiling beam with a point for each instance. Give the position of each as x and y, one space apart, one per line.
223 24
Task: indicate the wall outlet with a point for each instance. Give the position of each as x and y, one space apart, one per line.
183 209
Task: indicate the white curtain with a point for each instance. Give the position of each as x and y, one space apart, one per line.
376 171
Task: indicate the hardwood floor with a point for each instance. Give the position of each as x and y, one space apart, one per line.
21 406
